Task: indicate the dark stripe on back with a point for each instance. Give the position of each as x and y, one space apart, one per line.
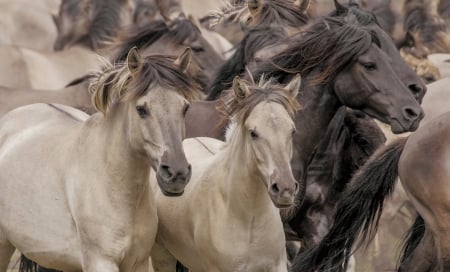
65 112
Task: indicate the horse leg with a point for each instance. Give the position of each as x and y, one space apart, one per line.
162 259
6 251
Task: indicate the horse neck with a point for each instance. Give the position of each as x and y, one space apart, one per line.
319 106
245 194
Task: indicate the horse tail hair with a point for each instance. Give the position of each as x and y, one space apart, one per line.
412 240
358 212
27 265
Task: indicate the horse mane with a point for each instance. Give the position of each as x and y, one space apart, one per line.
180 30
254 39
326 48
116 84
264 91
280 12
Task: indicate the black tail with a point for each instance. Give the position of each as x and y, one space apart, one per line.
412 239
358 212
27 265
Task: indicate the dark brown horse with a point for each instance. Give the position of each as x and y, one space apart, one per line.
421 162
348 142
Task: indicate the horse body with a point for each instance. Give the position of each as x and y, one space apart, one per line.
25 68
231 222
106 161
76 95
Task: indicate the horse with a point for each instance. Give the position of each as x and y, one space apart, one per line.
349 140
173 37
424 68
28 24
133 132
413 160
74 94
25 68
241 182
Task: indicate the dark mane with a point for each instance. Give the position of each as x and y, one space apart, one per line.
104 27
255 39
280 12
263 92
326 48
179 30
116 84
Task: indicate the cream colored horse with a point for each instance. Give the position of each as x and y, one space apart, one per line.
28 24
75 190
227 220
442 61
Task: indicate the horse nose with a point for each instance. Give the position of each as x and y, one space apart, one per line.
173 180
175 174
282 197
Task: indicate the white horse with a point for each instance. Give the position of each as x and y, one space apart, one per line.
227 220
75 190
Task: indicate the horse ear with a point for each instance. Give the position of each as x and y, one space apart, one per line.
240 89
134 61
184 60
294 85
302 4
340 9
255 6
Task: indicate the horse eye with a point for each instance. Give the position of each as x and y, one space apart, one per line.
369 66
197 49
254 134
293 131
185 109
142 111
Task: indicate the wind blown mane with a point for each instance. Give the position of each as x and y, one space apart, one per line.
326 48
255 39
116 84
280 12
239 110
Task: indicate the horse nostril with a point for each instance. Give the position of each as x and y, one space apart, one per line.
416 90
274 188
165 171
410 113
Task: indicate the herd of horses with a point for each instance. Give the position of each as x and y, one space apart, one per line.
151 135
